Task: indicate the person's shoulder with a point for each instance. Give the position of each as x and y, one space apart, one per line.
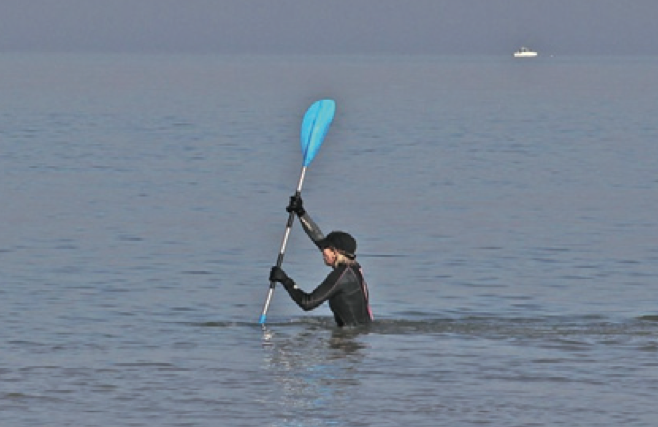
339 270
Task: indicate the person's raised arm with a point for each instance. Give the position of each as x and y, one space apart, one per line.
310 227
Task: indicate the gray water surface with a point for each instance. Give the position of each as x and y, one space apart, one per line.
505 213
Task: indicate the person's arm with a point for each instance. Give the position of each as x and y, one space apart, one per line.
310 227
327 289
312 230
322 293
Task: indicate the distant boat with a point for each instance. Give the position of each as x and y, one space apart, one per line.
524 52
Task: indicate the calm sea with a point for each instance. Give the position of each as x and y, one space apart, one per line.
506 213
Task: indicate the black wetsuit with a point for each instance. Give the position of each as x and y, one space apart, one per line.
344 288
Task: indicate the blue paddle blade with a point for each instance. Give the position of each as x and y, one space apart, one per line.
315 126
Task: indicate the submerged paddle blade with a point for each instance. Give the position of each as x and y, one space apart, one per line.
315 126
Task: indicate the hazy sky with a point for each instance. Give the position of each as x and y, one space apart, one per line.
331 26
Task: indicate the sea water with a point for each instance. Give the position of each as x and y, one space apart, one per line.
505 210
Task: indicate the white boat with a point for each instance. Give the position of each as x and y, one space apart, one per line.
524 52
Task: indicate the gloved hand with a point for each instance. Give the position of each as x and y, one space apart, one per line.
296 205
278 275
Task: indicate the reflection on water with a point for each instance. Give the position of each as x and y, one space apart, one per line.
316 371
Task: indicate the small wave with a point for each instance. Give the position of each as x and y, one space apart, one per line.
586 329
29 398
221 324
317 321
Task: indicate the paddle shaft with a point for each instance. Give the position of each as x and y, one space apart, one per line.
282 251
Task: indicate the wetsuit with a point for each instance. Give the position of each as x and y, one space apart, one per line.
344 288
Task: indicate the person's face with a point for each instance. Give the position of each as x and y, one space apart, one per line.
329 255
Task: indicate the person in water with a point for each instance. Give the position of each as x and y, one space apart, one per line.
344 288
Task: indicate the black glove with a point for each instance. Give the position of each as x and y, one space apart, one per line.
278 275
296 205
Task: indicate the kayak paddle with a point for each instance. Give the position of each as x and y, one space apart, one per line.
314 128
